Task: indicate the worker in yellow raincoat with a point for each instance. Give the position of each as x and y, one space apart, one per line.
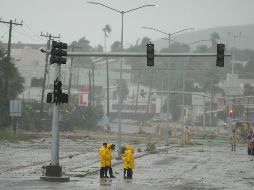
108 163
186 135
233 139
103 158
128 161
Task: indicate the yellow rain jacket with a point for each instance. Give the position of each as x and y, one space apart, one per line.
233 138
108 155
102 155
128 157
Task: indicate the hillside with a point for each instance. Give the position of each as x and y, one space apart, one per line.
245 42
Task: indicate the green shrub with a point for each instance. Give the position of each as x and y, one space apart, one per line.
150 147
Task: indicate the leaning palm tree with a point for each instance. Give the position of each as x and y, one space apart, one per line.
107 30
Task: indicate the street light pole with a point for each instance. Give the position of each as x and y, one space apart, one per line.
168 86
121 66
183 103
167 142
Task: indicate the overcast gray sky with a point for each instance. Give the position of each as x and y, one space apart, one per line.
74 19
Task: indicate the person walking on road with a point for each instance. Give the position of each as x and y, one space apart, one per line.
233 138
103 158
108 163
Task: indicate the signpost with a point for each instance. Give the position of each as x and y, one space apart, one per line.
15 111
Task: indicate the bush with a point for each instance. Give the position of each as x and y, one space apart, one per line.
150 147
83 118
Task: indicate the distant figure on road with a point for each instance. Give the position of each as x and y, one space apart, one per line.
186 135
158 129
103 158
141 125
233 138
174 130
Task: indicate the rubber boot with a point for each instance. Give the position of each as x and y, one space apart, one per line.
106 172
129 173
110 170
102 172
124 173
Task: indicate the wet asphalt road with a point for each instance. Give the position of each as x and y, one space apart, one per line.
212 167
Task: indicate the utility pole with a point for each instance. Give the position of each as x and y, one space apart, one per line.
89 96
136 106
50 37
70 77
11 23
233 56
149 94
182 109
211 102
247 114
93 81
204 114
107 87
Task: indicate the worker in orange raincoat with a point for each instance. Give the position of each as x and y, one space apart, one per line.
108 166
103 159
128 161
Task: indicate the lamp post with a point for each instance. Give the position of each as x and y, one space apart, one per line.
169 36
121 70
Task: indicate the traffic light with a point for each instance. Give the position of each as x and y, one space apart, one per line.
150 54
220 55
57 91
64 98
49 97
57 52
57 96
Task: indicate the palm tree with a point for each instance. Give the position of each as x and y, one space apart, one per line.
11 84
107 30
122 89
214 37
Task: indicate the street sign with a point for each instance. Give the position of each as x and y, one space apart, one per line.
15 108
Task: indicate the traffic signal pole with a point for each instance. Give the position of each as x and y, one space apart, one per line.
49 36
55 125
53 172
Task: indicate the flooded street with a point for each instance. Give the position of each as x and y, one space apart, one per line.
208 166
